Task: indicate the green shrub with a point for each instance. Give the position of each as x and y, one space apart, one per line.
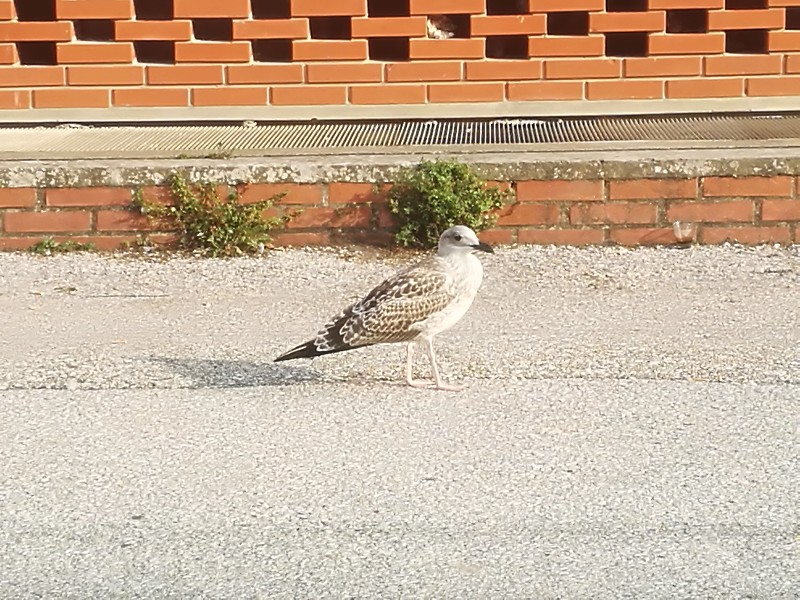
216 226
49 246
434 195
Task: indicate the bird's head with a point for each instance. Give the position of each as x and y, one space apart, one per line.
461 239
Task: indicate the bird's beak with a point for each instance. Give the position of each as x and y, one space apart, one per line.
484 248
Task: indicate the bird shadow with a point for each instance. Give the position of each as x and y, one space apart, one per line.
223 373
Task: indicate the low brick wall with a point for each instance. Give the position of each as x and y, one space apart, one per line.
591 202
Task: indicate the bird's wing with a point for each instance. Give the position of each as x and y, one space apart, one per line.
390 311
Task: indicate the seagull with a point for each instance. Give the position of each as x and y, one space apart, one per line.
412 306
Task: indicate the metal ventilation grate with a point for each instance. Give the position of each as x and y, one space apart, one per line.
411 135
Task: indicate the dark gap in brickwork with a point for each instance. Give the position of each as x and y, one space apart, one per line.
387 8
154 10
35 10
687 21
95 30
37 53
626 5
568 23
272 50
271 9
793 18
158 52
330 28
215 30
506 7
390 49
628 43
745 4
746 41
507 46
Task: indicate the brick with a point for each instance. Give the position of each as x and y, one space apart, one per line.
286 29
777 210
652 189
295 238
529 213
568 45
559 190
389 27
71 98
784 41
15 244
7 10
614 213
8 54
153 30
344 217
497 237
249 74
624 90
570 5
184 75
545 90
662 66
31 76
757 187
124 220
678 4
35 31
212 51
705 88
315 8
14 99
466 92
793 63
229 96
508 25
308 95
745 235
724 20
340 192
388 94
687 43
712 212
594 68
446 7
444 49
743 65
95 52
423 72
94 9
560 237
627 21
782 85
47 222
230 9
100 196
98 75
296 193
642 236
312 50
503 70
150 97
17 197
344 73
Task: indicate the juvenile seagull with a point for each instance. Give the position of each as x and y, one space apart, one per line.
412 306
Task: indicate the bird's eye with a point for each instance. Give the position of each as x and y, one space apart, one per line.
457 237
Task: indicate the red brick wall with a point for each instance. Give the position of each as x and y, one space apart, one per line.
749 210
180 53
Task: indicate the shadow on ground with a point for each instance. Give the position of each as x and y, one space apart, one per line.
215 373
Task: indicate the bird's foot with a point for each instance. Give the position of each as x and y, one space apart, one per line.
420 383
449 387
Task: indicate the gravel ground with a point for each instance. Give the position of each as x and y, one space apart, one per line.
629 430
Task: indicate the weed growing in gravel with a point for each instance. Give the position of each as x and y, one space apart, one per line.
213 225
49 246
434 195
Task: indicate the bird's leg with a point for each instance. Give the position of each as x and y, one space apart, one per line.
440 385
410 369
